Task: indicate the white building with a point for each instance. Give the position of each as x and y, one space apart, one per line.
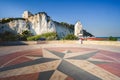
26 14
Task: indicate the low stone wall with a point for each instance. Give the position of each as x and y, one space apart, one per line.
111 43
62 42
12 43
57 42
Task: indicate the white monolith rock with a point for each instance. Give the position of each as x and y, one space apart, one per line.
78 29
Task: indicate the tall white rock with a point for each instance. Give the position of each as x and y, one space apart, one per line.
78 29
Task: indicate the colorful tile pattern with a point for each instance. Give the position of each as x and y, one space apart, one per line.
62 63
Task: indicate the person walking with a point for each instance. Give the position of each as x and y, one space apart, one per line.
81 41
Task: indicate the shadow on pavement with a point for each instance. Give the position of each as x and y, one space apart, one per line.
12 43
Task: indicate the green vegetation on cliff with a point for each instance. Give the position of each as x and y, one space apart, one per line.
25 34
71 26
70 37
6 20
47 36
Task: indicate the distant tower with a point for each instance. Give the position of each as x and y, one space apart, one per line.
26 14
78 30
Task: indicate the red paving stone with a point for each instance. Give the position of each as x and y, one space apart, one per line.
114 68
35 52
33 76
18 61
112 54
6 58
99 56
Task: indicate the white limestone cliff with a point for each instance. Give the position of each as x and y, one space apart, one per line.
15 26
62 30
38 24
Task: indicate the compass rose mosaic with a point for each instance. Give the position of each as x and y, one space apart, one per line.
62 63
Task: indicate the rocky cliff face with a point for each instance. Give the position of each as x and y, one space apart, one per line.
63 30
37 24
40 23
15 26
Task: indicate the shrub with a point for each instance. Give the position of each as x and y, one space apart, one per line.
48 36
34 38
70 37
24 35
8 36
112 38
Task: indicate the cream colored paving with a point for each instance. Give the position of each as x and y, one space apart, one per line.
93 69
57 75
80 53
48 54
101 60
67 51
33 57
31 69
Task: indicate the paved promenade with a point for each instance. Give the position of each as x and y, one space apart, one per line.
60 62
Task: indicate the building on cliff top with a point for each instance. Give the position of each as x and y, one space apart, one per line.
26 14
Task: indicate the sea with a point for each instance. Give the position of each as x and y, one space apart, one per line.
118 38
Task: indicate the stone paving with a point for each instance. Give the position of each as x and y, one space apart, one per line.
59 62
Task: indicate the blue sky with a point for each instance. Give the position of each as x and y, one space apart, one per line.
99 17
